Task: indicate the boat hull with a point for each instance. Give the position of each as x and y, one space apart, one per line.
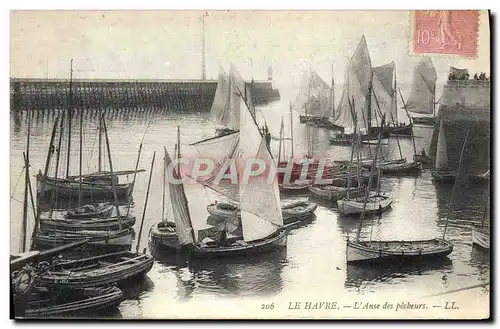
65 188
396 251
109 241
274 243
443 176
165 239
289 212
121 266
355 206
402 168
93 299
334 193
96 224
480 238
422 159
423 121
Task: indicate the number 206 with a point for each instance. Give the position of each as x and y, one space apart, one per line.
267 306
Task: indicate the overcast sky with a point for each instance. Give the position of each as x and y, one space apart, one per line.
167 44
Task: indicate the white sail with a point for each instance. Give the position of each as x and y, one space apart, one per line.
179 207
230 117
220 150
357 81
383 93
260 203
441 153
259 200
421 99
220 98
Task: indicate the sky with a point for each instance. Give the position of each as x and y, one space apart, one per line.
167 44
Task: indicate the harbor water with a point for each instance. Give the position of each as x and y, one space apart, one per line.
314 260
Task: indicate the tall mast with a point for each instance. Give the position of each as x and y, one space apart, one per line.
131 189
291 128
178 149
412 137
80 160
455 184
58 156
164 184
100 147
434 101
281 141
369 107
145 204
333 93
370 179
397 139
395 97
70 115
111 172
26 188
354 137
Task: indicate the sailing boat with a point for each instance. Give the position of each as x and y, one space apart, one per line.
225 106
370 251
441 172
371 202
318 102
97 185
86 218
481 235
259 202
422 98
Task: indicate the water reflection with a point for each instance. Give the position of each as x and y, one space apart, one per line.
251 275
358 275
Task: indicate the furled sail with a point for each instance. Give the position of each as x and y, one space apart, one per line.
383 93
441 152
179 207
357 80
421 99
220 98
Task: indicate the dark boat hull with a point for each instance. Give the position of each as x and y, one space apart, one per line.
120 266
422 159
274 243
65 188
97 224
361 252
412 168
423 121
90 300
443 176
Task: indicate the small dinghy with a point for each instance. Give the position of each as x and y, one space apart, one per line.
97 270
291 211
406 168
376 203
424 159
334 193
397 251
110 240
43 302
88 224
481 238
164 234
99 210
290 188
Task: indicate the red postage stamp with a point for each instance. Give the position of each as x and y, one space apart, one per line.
445 32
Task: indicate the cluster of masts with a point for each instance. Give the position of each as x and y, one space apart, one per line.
254 221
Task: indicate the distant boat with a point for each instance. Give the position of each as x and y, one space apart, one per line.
441 172
422 99
315 98
333 193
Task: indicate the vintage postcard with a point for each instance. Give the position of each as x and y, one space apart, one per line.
235 164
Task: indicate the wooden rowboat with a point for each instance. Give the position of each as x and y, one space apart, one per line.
334 193
397 251
90 224
48 302
401 168
375 203
299 187
109 240
97 270
481 238
164 235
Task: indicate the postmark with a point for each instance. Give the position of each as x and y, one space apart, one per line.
451 32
